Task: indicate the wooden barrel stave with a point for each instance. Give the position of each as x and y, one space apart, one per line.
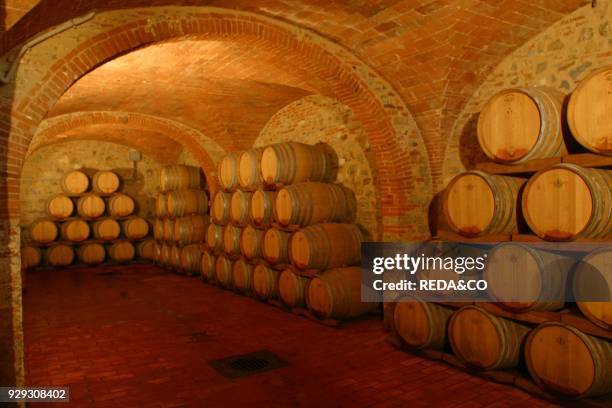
242 276
261 210
221 208
248 166
191 259
214 237
251 242
207 266
265 282
275 246
228 172
161 205
292 289
223 271
168 230
231 239
240 202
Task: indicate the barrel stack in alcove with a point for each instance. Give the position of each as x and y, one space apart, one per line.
283 230
90 222
181 210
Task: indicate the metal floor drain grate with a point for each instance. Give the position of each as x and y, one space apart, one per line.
247 364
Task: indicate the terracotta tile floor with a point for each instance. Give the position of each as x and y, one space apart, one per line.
138 337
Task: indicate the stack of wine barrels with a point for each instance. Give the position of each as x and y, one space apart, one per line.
88 223
279 217
181 210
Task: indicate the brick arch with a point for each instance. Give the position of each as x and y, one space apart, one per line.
205 150
397 146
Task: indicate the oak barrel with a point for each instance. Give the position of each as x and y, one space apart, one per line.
223 271
187 202
265 281
190 229
292 289
221 207
588 111
135 228
146 249
313 203
121 251
161 205
75 182
563 360
249 174
421 325
59 255
175 258
336 293
207 266
91 254
497 206
60 207
326 246
157 252
105 182
179 177
261 210
165 254
275 246
214 237
106 229
231 239
250 242
168 230
158 230
566 201
292 162
121 205
239 207
43 231
228 171
191 259
525 279
91 206
592 287
75 230
522 124
242 276
31 257
485 341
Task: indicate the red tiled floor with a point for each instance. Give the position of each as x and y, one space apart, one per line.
140 337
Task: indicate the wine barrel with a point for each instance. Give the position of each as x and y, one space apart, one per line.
168 230
566 202
75 230
214 237
228 172
106 229
91 206
157 253
187 202
207 266
588 111
105 182
563 360
231 239
59 255
485 341
249 175
522 124
292 289
592 287
191 259
275 247
91 254
135 228
336 294
421 325
165 254
60 207
179 177
242 276
43 231
262 207
31 257
221 208
75 182
223 271
239 207
190 230
158 230
265 282
175 258
313 203
326 246
146 249
121 251
496 197
292 162
121 205
250 242
526 279
161 205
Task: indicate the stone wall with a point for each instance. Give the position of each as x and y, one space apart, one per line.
315 119
558 58
43 170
